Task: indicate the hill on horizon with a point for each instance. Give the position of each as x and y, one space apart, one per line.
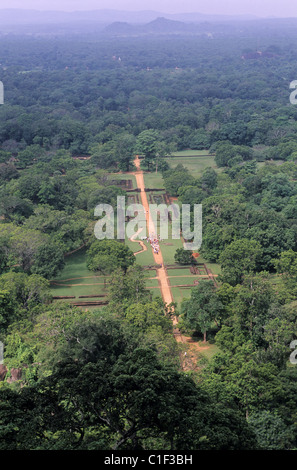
10 16
134 23
160 25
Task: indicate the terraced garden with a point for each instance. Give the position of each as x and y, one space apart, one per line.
78 284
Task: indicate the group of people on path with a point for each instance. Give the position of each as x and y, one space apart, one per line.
154 241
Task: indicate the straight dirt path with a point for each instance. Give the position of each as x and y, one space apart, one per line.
189 357
158 258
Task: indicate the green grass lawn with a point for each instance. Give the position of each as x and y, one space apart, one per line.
76 279
153 180
209 353
195 165
148 273
79 290
180 293
179 272
124 176
75 267
195 160
155 293
180 281
91 279
214 267
169 248
152 283
144 258
189 153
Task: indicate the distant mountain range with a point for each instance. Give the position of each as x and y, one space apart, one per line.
21 17
157 26
133 23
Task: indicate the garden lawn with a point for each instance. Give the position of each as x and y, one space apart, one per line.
195 165
153 180
180 293
190 153
76 279
168 248
180 281
124 176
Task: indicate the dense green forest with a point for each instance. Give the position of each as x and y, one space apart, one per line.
111 377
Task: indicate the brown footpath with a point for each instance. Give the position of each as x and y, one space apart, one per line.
191 349
161 272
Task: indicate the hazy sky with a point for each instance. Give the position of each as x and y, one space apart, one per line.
281 8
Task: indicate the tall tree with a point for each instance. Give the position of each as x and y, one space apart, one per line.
238 259
115 254
102 381
48 261
147 144
203 307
